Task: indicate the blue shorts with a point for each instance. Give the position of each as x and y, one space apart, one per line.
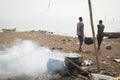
80 39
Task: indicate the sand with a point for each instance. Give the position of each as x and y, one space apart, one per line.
68 44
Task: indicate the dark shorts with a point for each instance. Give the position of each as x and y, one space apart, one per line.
99 38
80 40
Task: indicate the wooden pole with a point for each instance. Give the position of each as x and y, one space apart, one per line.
93 32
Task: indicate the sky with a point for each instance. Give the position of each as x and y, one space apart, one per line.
57 14
20 9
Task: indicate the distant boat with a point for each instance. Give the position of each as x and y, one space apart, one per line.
9 30
112 34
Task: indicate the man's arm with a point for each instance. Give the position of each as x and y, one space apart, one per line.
82 29
78 28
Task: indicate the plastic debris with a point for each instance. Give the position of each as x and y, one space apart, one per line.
87 63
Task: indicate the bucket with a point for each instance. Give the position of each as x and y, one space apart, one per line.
55 66
76 60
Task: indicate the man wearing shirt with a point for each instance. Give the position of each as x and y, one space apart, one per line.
100 33
80 32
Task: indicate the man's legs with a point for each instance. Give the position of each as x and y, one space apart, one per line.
99 39
80 42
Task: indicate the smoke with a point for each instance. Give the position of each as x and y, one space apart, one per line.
26 58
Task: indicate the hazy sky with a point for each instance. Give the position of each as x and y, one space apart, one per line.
21 9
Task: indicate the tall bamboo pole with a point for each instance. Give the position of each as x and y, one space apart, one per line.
93 32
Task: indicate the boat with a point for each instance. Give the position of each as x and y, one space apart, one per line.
112 34
9 30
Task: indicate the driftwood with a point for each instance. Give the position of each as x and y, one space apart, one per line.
79 68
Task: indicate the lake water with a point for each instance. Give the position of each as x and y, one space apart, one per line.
61 26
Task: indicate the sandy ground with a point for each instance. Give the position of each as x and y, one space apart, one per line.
70 44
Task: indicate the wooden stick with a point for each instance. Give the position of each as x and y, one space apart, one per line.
77 67
92 26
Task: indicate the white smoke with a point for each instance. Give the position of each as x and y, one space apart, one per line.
26 58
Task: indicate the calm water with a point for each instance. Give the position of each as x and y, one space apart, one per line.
62 26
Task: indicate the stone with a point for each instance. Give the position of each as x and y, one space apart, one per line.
109 47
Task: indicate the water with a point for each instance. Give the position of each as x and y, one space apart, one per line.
58 25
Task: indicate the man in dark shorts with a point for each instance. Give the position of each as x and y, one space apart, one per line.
80 32
100 33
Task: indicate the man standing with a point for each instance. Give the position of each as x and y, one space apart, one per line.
80 32
100 34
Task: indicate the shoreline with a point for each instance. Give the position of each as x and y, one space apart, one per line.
67 44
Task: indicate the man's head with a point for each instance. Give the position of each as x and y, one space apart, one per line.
80 19
100 21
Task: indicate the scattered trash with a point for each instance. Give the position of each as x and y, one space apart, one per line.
116 60
87 63
56 48
63 40
45 32
106 72
53 43
118 78
108 57
104 62
102 77
85 68
69 39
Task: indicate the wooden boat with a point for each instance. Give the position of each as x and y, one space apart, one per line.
112 34
9 30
